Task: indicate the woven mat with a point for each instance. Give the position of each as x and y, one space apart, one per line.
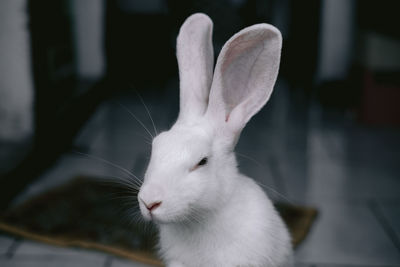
96 214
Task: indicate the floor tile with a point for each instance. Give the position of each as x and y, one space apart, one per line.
347 233
321 176
31 248
302 264
352 265
391 213
5 243
335 179
52 261
116 262
378 147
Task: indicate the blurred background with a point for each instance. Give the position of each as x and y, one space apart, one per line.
328 138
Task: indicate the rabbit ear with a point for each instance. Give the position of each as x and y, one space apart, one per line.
195 59
244 76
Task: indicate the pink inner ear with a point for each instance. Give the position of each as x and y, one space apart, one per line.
227 118
237 48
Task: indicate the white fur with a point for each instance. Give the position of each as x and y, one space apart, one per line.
212 215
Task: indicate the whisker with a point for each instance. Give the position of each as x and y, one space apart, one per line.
261 184
128 199
194 215
110 164
146 139
249 158
274 191
133 116
148 112
128 217
194 218
126 182
123 196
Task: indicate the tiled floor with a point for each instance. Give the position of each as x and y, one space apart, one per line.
300 152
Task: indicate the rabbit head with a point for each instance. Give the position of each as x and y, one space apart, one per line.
193 167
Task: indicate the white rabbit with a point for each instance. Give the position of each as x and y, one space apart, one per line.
208 214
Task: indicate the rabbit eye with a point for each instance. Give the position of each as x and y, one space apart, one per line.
202 162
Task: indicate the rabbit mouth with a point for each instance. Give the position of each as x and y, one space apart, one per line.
158 216
166 213
153 217
165 217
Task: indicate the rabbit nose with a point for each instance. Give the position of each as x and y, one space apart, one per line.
152 206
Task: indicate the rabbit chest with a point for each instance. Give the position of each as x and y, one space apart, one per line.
247 233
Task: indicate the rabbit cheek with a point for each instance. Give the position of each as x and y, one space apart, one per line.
194 192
